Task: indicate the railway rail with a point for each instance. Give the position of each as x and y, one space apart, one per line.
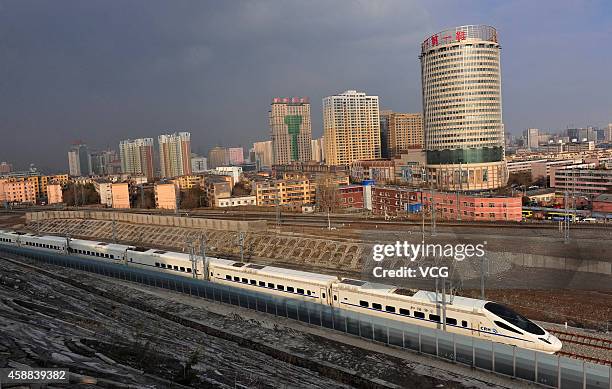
583 340
586 358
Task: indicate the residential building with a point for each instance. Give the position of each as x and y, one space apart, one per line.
5 168
581 179
175 154
263 154
120 195
102 162
381 171
351 196
351 127
403 131
198 164
236 201
79 160
137 157
602 205
290 130
462 111
532 137
318 150
235 155
105 191
235 172
17 190
215 188
285 192
166 195
189 182
54 194
218 156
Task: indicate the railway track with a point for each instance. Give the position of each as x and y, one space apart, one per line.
586 358
583 340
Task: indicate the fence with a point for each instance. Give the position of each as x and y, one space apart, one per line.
547 370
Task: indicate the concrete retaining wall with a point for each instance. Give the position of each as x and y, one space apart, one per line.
159 220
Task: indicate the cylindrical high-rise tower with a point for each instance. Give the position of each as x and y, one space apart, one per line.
462 112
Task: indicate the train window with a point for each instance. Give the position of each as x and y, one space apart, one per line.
364 304
245 280
389 308
270 285
308 292
506 327
376 306
112 256
163 265
280 287
335 297
434 318
404 312
300 291
237 279
212 274
290 289
156 264
253 282
464 323
228 277
188 270
323 295
261 283
451 321
182 268
175 267
419 315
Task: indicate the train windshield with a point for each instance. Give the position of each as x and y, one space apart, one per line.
514 318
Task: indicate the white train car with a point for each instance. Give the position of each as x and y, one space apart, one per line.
466 316
102 251
43 242
272 280
8 237
161 260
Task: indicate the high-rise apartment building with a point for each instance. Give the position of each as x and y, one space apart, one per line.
79 160
235 155
400 132
318 150
462 109
532 137
175 154
102 162
351 127
218 156
137 157
263 154
5 168
290 130
608 133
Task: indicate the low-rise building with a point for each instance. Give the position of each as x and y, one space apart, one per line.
602 205
351 196
581 179
18 191
380 170
285 192
120 195
54 194
104 190
165 195
189 182
236 201
216 187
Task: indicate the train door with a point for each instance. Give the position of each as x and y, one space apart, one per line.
324 296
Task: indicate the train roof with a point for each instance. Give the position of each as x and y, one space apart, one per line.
94 244
50 238
273 271
457 301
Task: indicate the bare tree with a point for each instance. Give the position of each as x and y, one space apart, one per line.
327 195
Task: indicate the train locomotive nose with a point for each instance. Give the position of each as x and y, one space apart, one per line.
555 344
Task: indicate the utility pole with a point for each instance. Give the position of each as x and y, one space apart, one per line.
193 259
433 210
444 304
460 189
278 210
482 277
241 237
74 190
142 196
566 218
203 255
114 229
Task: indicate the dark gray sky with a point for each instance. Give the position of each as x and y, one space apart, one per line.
106 70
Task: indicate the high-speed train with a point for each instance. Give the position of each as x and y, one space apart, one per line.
466 316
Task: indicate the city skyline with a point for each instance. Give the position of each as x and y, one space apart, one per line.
146 75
